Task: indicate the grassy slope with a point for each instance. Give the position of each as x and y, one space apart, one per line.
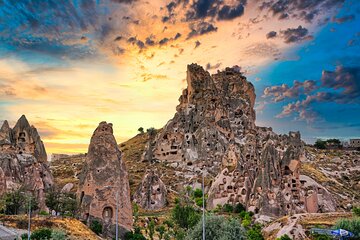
73 228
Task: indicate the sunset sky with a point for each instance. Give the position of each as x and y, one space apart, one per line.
67 65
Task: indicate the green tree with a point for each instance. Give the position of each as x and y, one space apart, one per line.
284 237
217 228
356 211
41 234
52 200
320 144
185 215
228 208
136 235
151 228
254 233
161 230
239 208
151 131
68 204
141 130
58 235
96 227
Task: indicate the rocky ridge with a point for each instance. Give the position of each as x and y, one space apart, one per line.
23 160
214 131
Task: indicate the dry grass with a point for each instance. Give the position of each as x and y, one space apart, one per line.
311 170
73 228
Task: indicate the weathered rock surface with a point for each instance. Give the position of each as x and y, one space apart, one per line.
151 194
23 160
104 177
214 129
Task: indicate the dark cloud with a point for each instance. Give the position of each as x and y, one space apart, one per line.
343 19
271 34
59 28
303 9
344 79
201 28
298 34
281 92
201 9
118 38
341 86
228 13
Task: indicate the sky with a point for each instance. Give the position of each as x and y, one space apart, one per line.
68 65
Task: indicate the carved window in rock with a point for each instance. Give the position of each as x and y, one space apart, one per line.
21 137
107 214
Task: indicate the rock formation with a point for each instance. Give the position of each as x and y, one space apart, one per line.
23 160
151 194
214 129
104 177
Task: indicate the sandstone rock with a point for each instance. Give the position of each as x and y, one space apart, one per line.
103 177
214 126
67 188
23 160
151 194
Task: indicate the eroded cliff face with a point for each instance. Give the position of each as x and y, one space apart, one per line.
23 160
103 179
214 129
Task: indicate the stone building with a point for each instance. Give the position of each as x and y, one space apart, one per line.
103 180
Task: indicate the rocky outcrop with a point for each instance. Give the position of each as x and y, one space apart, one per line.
103 179
151 194
23 160
214 126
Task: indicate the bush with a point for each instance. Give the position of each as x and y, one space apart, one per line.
199 202
197 193
228 208
254 233
284 237
136 235
218 227
320 144
239 208
321 237
352 225
96 227
356 211
58 235
41 234
44 213
185 216
161 230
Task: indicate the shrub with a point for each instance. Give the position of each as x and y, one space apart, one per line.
185 216
136 235
320 144
254 233
228 208
58 235
239 208
197 193
151 228
356 211
44 213
41 234
199 202
284 237
321 237
96 227
352 225
161 230
218 227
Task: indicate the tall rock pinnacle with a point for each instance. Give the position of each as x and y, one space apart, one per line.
103 177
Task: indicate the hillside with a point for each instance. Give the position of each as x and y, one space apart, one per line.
74 229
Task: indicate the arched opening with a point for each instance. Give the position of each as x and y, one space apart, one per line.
107 214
